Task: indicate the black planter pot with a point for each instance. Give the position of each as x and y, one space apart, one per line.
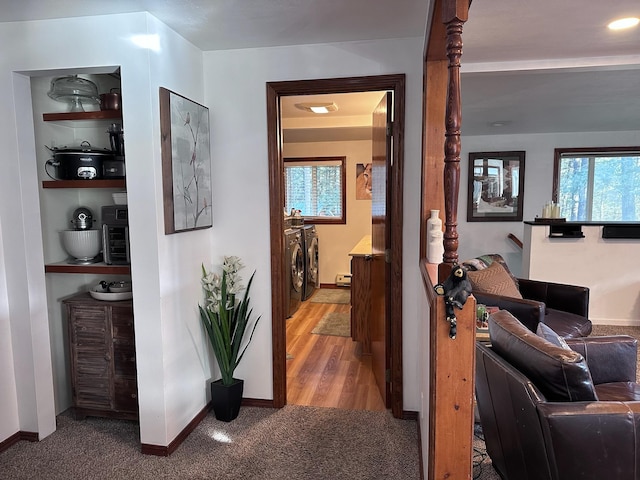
226 399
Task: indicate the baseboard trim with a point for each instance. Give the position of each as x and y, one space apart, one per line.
333 285
16 437
410 415
257 402
165 451
616 322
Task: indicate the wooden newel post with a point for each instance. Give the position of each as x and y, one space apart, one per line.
454 17
452 370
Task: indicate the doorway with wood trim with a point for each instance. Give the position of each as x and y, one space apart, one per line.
388 252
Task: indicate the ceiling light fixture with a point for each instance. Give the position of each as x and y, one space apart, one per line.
623 23
500 123
317 107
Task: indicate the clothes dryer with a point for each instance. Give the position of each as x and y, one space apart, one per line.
294 268
311 272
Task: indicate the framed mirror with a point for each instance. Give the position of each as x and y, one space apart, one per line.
496 186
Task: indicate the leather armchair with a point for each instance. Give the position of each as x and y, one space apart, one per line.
551 413
564 308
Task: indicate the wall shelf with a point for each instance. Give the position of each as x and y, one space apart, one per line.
566 230
95 268
621 231
97 115
98 183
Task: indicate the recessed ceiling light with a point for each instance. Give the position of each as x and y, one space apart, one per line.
317 107
500 123
623 23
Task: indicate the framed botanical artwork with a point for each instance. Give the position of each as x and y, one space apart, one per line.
496 186
363 181
186 163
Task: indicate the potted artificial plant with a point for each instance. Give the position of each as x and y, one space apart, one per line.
227 321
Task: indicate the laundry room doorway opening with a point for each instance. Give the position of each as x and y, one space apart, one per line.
387 221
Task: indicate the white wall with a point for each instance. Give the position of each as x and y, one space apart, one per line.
479 238
9 417
174 364
592 261
336 241
172 361
236 93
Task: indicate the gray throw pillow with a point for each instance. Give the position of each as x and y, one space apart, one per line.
546 332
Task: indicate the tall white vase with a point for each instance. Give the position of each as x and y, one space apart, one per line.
435 247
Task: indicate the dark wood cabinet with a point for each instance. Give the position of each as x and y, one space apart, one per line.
361 293
103 357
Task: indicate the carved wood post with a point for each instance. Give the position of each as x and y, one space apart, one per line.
454 15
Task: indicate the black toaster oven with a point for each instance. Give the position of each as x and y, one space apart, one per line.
115 235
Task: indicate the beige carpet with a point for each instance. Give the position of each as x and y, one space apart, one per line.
331 295
295 442
334 323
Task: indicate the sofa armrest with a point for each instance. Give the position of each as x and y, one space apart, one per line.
529 312
609 358
568 298
591 439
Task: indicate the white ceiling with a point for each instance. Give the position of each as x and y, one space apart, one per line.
229 24
568 72
526 37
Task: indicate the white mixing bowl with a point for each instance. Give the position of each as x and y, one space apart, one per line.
83 245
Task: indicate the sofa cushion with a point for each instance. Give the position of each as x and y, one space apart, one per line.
546 332
567 324
494 279
618 392
561 375
484 261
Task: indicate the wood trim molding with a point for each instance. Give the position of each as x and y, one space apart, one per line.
18 436
395 83
165 451
435 103
257 402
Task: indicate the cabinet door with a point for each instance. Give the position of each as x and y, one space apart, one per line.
126 395
90 356
124 359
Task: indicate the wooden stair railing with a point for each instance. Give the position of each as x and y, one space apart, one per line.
515 240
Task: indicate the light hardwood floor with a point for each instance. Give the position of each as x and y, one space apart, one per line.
327 370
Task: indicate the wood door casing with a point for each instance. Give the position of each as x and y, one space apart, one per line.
380 243
394 83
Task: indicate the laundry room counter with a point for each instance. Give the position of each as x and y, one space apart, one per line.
361 293
362 248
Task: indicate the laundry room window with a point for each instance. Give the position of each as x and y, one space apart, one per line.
316 187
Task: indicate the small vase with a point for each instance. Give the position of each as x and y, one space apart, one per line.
226 399
435 248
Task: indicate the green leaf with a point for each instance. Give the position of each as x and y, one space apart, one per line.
226 328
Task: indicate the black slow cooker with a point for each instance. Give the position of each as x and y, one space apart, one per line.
81 163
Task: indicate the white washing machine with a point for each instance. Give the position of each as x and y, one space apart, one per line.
294 268
311 275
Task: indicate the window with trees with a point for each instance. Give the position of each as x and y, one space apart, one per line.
316 187
598 184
